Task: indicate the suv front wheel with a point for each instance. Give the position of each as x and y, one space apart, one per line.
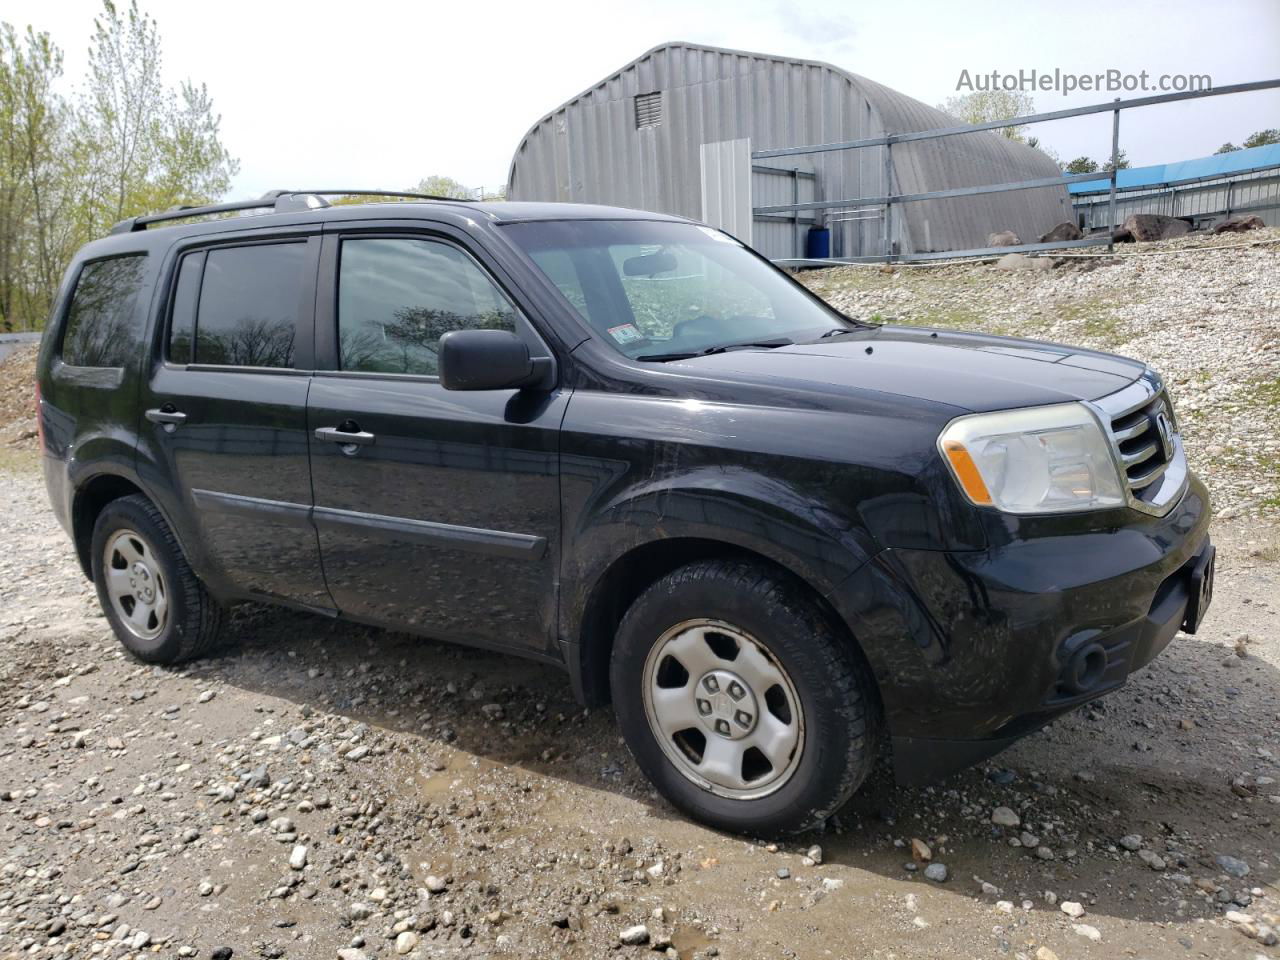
740 701
156 605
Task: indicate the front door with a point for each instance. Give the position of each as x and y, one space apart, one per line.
224 443
437 510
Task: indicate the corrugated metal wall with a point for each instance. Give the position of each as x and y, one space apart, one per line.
1205 203
590 150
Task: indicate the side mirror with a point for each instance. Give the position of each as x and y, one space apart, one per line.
488 360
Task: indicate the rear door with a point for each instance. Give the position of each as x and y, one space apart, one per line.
437 510
224 442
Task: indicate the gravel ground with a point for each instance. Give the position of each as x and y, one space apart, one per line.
327 790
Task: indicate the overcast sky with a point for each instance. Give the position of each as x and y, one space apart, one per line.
381 94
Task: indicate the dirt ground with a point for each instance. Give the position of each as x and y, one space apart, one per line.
327 790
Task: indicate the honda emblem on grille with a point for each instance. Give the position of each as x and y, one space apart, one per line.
1166 434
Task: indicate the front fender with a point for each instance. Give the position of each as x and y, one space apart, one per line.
729 505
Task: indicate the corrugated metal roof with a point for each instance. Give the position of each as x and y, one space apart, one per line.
1201 168
591 149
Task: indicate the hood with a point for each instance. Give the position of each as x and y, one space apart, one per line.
976 372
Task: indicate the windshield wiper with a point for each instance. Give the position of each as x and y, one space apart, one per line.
836 332
724 348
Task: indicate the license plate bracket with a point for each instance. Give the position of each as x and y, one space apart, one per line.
1199 588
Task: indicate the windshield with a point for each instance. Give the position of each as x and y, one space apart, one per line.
657 290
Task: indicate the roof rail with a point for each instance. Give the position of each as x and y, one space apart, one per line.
278 201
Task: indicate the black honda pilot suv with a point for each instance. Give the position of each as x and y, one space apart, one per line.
623 443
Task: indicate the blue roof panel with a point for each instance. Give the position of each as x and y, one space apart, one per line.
1202 168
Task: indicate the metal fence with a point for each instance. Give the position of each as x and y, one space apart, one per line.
1200 200
864 206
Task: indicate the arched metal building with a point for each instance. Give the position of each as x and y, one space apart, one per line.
635 139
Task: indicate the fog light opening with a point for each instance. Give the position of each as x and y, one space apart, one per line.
1086 668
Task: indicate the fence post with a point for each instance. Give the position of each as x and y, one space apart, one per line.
1115 160
795 214
888 205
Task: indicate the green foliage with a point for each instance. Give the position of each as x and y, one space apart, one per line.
1226 148
1262 138
1122 162
439 186
125 144
1082 165
985 106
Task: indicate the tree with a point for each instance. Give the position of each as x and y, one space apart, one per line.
32 116
1226 148
1262 138
985 106
125 145
152 147
1122 162
439 186
1082 165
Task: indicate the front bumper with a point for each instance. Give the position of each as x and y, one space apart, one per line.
973 650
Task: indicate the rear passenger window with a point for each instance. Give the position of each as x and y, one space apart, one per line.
103 327
182 326
248 306
398 297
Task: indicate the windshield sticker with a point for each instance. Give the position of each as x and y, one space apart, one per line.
717 235
625 333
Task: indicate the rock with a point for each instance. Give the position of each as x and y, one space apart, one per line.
358 754
492 711
1044 953
1239 225
1044 853
206 696
1020 261
814 853
298 858
1146 227
634 936
360 911
1091 933
1072 909
1005 817
435 884
920 851
1232 866
1151 859
1005 238
221 953
783 873
351 953
405 942
1061 233
1235 916
1131 841
937 872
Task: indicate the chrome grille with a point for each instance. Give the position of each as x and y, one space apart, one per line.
1145 439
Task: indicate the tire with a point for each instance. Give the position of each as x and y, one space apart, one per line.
170 617
800 689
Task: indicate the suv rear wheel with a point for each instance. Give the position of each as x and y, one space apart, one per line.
157 606
740 701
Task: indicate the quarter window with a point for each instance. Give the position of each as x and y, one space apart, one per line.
103 324
248 308
398 296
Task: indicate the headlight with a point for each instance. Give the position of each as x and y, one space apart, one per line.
1037 460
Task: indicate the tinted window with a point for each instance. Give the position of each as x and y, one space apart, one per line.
103 327
182 326
398 297
249 300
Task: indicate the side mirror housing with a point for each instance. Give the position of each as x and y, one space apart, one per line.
489 360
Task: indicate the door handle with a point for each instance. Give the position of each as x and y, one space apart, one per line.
345 437
166 415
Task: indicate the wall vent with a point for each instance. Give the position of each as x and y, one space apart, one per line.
648 109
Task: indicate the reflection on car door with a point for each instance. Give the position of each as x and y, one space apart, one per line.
225 445
437 510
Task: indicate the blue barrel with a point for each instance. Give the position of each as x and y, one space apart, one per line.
817 245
